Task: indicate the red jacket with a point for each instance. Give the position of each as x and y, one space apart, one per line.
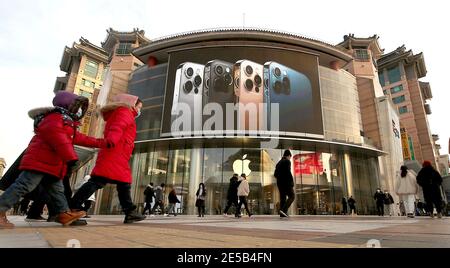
120 132
52 145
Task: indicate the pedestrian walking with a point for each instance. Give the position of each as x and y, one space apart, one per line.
243 192
112 165
379 198
87 204
430 180
285 183
344 206
388 203
232 194
173 200
406 188
159 199
351 204
149 194
201 197
50 155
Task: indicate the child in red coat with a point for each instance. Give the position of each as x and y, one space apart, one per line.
50 154
112 164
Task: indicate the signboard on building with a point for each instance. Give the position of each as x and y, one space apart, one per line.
309 163
407 146
86 123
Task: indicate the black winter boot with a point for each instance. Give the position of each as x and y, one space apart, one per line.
133 216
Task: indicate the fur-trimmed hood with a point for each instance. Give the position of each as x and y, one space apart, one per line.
33 113
120 100
106 111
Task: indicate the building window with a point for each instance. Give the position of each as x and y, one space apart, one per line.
381 78
91 69
362 54
403 109
385 92
103 74
123 49
394 75
396 89
88 83
399 99
86 94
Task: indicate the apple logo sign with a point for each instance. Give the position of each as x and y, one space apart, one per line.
241 166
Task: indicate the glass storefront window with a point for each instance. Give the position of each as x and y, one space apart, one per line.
340 188
175 176
213 180
322 170
271 196
305 173
321 178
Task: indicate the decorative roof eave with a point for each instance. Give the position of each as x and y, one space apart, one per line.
419 61
240 33
371 42
113 36
101 56
398 51
409 58
393 57
426 90
66 59
85 42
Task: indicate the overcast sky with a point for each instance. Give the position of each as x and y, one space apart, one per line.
34 33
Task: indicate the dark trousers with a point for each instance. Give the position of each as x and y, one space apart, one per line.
242 200
148 206
380 209
432 195
344 209
42 198
87 205
159 204
95 183
201 211
232 201
24 205
286 193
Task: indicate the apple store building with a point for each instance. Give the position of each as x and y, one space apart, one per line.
231 101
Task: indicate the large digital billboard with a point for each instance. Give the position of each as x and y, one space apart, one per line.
242 90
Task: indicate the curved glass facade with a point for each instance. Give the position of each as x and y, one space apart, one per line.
322 177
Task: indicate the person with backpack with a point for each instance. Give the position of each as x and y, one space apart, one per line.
50 155
285 183
232 194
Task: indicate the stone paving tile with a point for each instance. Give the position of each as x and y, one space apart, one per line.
225 232
28 239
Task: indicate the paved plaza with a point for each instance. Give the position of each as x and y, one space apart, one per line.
227 232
